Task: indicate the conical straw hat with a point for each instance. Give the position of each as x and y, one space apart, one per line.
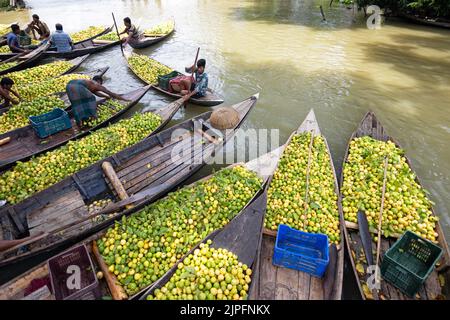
224 118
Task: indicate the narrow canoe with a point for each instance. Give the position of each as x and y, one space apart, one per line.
26 144
209 100
426 22
79 44
91 74
147 170
75 64
243 234
272 282
80 49
148 40
25 61
370 126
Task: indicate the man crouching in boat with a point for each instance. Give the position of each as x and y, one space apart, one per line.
6 93
82 92
188 85
130 29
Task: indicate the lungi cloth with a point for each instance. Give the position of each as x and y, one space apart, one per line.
84 105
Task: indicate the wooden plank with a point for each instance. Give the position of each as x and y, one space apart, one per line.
267 283
66 203
432 286
286 284
58 221
316 289
129 165
304 286
141 168
16 287
169 169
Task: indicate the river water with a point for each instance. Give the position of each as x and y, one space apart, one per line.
296 61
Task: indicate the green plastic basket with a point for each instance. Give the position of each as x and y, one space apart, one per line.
409 262
163 81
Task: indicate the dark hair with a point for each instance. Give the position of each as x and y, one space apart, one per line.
15 27
35 16
201 63
58 26
127 20
98 78
6 81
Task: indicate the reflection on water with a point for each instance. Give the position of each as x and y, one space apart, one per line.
284 50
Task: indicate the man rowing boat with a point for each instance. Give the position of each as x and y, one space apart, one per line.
6 93
189 85
82 92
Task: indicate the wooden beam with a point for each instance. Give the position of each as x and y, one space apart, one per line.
115 181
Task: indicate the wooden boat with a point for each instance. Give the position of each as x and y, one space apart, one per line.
25 143
80 49
148 40
75 64
370 126
426 22
105 31
248 222
242 236
25 60
148 169
272 282
211 99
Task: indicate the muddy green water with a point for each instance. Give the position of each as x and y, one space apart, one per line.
283 50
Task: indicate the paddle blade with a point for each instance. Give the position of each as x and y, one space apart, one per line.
366 239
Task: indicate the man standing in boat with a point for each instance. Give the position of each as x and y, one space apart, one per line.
6 93
132 32
61 40
38 26
82 92
189 85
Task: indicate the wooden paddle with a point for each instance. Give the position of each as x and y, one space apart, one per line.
117 31
380 217
192 75
366 239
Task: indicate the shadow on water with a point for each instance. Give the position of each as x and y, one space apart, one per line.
298 12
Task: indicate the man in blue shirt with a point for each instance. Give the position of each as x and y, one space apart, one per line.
61 40
12 40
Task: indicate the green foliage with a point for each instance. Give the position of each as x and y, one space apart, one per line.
430 8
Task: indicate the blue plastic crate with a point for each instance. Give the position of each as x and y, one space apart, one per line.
51 122
303 251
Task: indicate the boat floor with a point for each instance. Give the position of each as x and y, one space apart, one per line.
30 143
431 289
276 283
16 288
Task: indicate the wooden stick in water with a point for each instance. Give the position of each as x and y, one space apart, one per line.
307 177
117 31
380 218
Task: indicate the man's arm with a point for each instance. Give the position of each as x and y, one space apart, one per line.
99 90
16 94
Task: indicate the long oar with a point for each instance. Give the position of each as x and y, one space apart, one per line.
380 218
366 239
192 75
117 31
